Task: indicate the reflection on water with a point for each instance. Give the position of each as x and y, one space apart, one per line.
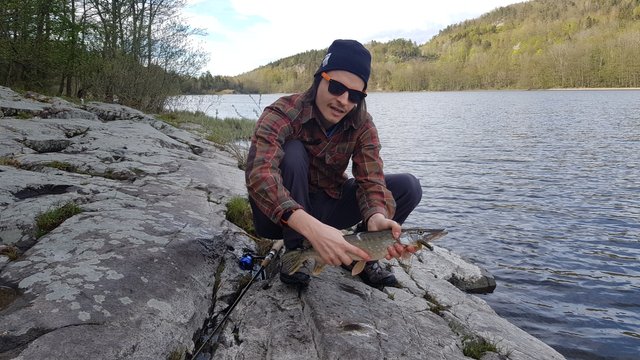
541 188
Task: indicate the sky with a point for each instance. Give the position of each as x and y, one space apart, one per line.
243 35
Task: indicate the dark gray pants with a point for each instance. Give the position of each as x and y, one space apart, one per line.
339 213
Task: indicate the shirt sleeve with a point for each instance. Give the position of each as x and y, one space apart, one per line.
372 193
263 177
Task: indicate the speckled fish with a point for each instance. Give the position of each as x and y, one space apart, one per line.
375 243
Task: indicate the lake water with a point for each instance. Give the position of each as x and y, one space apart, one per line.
542 188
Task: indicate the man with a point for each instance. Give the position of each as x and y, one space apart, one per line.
302 145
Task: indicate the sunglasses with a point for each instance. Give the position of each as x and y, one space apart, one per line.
337 88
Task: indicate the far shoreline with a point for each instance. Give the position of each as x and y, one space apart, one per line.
592 89
233 92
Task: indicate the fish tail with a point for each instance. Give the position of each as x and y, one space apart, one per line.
292 261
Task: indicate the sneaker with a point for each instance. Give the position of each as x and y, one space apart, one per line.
300 278
376 276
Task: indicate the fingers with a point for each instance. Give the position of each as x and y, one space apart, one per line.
397 250
393 251
337 258
354 250
396 229
345 259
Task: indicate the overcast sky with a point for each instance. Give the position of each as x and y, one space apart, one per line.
246 34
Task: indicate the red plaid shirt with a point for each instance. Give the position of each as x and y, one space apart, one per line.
292 117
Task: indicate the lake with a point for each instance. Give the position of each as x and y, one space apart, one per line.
542 188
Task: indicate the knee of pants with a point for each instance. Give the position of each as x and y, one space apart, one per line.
295 155
416 189
408 189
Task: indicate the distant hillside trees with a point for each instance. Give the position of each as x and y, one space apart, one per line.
541 44
536 44
140 51
287 75
133 50
209 84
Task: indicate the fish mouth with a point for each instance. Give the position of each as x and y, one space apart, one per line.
432 234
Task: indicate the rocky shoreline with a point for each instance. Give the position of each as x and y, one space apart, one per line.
149 258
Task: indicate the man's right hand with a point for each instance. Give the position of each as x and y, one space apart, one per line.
326 240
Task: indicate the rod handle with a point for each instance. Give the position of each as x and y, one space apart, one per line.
272 253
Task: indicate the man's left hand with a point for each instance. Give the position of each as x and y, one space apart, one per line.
379 222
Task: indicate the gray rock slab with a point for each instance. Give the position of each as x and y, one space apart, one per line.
337 317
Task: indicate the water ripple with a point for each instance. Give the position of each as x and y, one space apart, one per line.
541 189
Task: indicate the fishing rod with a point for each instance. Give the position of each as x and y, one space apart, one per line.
263 265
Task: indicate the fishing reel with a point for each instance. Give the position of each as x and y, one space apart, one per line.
250 262
247 262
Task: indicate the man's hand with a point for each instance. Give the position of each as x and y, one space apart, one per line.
379 222
326 240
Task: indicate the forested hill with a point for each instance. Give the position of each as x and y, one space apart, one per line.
531 45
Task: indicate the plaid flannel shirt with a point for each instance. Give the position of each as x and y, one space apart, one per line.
292 117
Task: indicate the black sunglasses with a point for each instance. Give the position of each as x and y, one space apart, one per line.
337 88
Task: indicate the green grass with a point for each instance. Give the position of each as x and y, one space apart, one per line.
49 220
219 131
177 354
476 348
24 115
239 213
9 161
61 165
10 251
434 305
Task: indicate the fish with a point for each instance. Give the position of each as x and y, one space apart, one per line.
375 243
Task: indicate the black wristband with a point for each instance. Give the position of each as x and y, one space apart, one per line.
285 217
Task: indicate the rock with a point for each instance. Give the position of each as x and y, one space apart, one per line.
35 105
111 112
150 259
462 274
44 146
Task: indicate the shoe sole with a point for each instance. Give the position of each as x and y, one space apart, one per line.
293 280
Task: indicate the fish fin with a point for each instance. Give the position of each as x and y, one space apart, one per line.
358 267
406 255
292 261
317 268
407 263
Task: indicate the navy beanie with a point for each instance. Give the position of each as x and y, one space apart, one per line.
348 55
